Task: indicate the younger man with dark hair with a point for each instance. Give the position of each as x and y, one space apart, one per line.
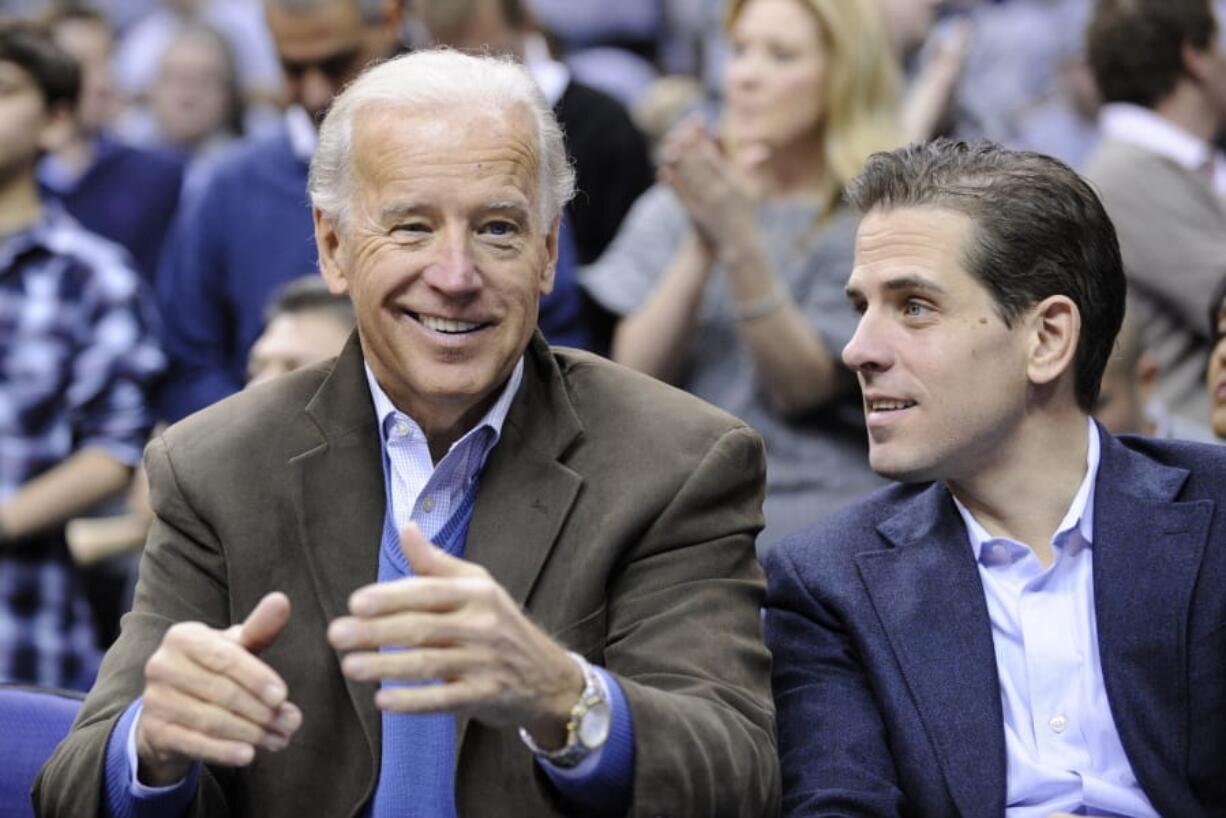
1034 626
77 355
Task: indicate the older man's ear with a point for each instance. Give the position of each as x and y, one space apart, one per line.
328 246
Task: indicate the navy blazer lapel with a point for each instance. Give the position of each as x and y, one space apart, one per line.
927 593
1147 554
341 506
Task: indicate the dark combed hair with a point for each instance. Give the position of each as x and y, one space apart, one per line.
1135 47
310 294
1039 231
56 74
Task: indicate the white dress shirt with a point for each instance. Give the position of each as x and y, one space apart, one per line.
1063 751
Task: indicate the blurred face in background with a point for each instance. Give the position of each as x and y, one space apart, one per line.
293 340
90 43
1216 378
773 82
24 123
190 97
908 22
323 47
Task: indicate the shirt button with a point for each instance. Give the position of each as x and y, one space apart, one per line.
427 504
1057 724
402 428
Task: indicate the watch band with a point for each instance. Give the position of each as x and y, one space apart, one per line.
593 703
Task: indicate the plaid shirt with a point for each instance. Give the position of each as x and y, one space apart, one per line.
77 356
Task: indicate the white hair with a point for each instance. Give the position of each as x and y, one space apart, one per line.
437 78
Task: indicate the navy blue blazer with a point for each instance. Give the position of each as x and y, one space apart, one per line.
885 682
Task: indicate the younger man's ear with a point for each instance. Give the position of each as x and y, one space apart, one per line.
1056 328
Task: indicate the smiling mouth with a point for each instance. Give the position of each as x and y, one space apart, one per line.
889 405
446 326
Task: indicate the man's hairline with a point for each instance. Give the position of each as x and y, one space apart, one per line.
340 221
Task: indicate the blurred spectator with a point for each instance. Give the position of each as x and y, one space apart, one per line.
249 230
1023 82
77 356
239 21
1128 383
930 82
306 324
1215 376
1127 399
194 105
664 105
609 153
611 46
126 194
1162 72
730 274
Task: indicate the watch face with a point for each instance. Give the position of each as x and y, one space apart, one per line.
594 726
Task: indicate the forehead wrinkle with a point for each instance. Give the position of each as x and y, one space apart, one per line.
503 156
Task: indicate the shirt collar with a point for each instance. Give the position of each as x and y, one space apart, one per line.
40 233
1080 514
493 419
1141 127
302 134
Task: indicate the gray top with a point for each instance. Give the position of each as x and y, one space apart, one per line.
1172 232
816 464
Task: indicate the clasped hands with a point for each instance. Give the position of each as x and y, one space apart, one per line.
209 697
719 189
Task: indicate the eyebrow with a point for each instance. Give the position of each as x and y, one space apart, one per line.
902 283
399 210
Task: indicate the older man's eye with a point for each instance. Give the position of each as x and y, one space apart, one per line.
500 228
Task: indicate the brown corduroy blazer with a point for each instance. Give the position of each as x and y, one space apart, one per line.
621 513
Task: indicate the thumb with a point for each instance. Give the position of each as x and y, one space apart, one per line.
426 559
265 622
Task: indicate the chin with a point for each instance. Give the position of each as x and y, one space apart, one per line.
904 470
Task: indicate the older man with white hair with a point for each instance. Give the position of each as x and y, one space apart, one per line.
454 572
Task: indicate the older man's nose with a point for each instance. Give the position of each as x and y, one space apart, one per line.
454 269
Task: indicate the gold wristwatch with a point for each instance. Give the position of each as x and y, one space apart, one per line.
588 726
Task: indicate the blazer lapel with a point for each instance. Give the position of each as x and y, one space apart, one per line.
927 593
341 506
1147 555
525 491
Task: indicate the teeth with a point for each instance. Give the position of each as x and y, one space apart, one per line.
445 325
889 405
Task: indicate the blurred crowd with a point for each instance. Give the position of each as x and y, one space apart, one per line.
157 250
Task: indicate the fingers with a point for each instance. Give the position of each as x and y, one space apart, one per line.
427 560
452 697
265 622
194 716
405 629
195 648
413 665
208 687
207 697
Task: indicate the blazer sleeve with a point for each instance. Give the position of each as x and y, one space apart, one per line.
182 578
833 746
685 642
